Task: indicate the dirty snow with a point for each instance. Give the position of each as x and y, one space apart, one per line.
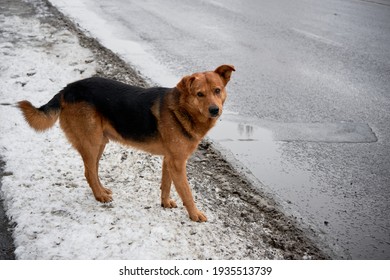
45 193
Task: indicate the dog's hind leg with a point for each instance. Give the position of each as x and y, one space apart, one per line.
83 128
103 145
91 156
166 183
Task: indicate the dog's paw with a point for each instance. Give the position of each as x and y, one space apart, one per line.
107 191
170 203
104 197
198 216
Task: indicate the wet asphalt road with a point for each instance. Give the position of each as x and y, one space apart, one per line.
312 84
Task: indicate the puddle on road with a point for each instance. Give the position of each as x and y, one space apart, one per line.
235 128
255 147
261 147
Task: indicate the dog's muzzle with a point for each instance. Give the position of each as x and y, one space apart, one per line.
214 111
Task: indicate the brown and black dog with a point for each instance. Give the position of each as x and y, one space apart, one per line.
164 121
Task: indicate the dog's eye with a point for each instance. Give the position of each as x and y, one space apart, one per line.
200 94
217 91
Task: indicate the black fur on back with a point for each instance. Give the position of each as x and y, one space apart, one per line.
128 108
53 105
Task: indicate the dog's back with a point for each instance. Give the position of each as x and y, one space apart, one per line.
127 108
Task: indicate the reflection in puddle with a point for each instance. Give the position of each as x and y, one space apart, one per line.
246 131
235 131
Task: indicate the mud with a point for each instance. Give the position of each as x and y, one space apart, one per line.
244 208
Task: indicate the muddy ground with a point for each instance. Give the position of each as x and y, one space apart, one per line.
243 205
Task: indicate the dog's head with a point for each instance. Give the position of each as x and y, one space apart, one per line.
203 94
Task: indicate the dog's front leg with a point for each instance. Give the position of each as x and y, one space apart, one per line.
166 182
177 170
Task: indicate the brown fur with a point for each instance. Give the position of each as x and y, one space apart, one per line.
183 118
37 119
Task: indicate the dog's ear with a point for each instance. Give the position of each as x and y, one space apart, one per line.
225 71
185 84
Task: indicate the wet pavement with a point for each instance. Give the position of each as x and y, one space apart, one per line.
260 147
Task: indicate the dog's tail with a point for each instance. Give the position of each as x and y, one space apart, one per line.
44 117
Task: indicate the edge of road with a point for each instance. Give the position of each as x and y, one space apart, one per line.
254 193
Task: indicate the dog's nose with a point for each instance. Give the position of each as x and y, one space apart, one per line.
214 110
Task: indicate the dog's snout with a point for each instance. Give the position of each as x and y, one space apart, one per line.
214 110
